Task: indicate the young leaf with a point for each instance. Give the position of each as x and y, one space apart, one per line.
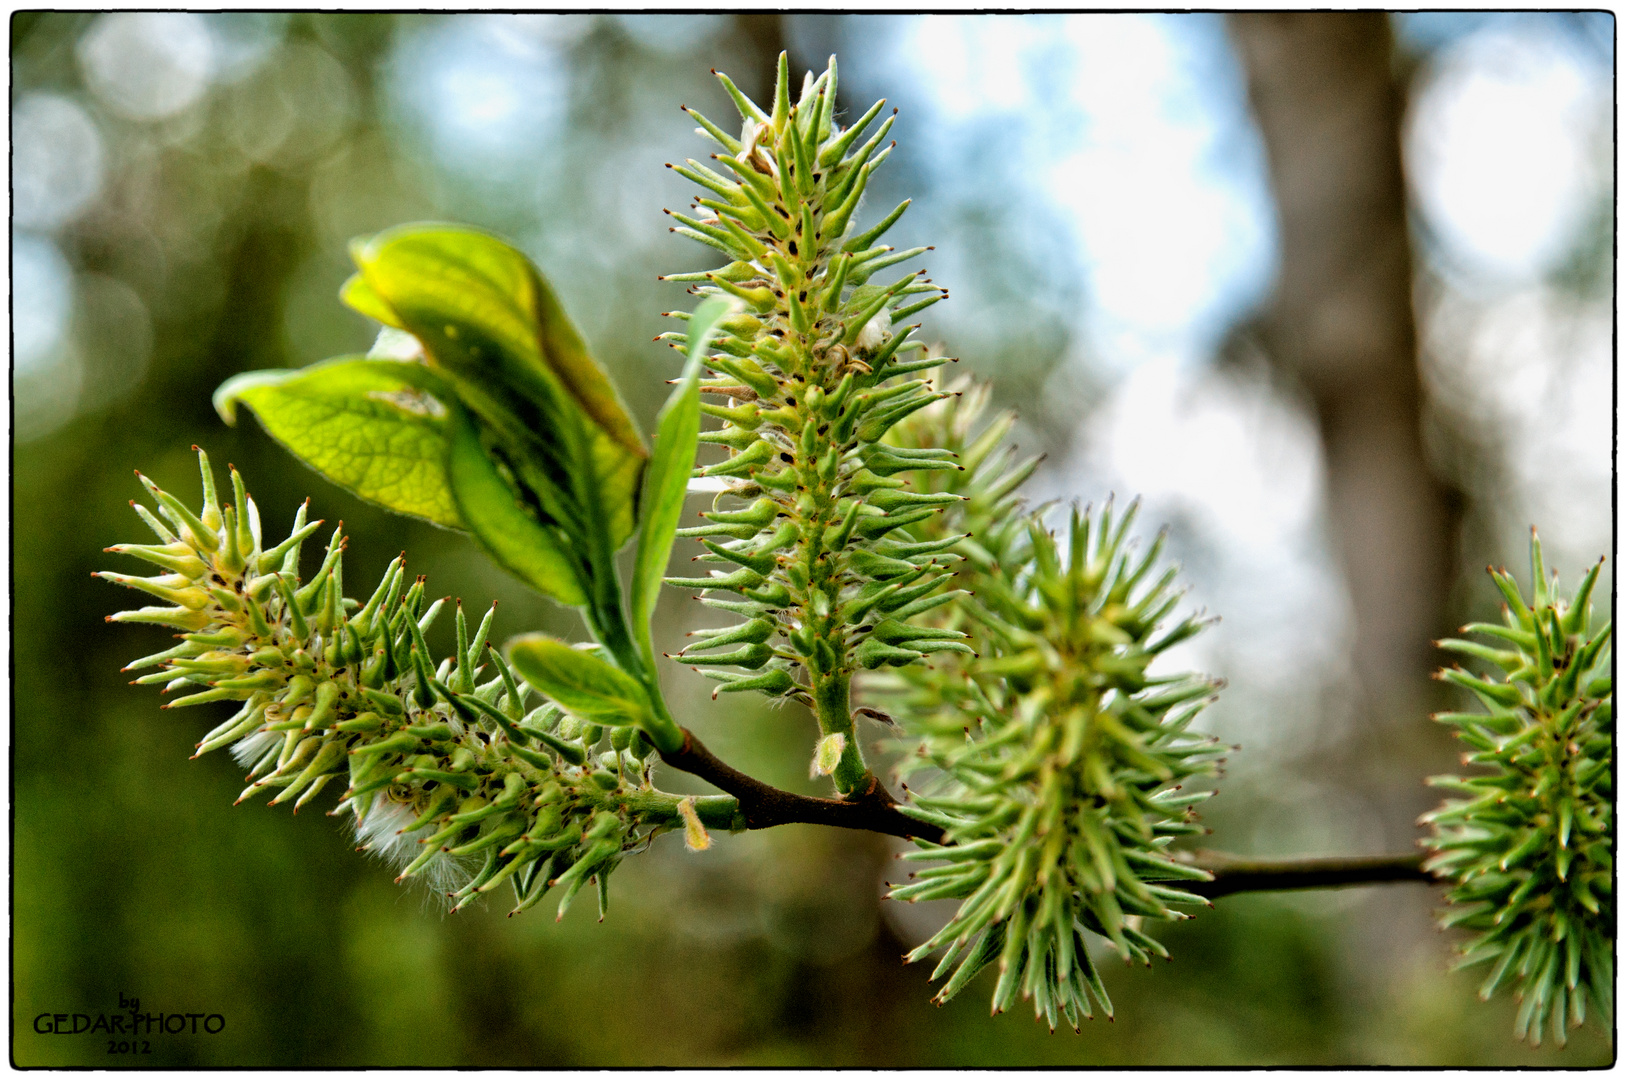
667 480
377 428
360 296
579 681
490 323
492 510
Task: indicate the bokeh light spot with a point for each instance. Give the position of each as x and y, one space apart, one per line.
57 161
243 41
42 299
46 374
148 65
1502 147
295 109
489 93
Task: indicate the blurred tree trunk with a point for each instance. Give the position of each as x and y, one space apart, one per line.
1341 325
764 33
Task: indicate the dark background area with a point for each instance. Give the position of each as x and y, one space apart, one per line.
184 187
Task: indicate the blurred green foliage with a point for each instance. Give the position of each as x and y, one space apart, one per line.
133 876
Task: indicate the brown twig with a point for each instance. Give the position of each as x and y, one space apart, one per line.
763 806
1235 874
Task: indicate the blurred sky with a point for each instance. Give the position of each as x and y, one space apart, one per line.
1135 130
1137 174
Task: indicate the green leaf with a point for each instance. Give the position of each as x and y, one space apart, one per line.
377 428
512 533
667 480
360 295
579 681
492 326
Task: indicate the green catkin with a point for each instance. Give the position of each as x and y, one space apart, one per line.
305 716
1527 848
1056 753
811 390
